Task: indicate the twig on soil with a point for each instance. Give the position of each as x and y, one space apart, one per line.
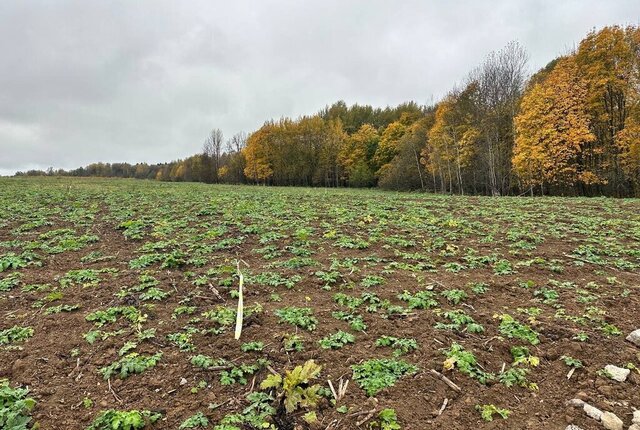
469 306
333 391
444 405
446 380
342 389
75 368
368 417
215 292
115 396
333 424
490 339
253 383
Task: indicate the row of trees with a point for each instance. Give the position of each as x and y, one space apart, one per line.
571 128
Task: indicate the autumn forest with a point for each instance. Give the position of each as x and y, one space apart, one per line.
571 128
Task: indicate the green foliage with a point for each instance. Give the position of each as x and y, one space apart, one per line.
252 346
61 308
124 420
9 282
454 296
255 416
225 317
238 374
84 277
479 287
514 329
110 315
208 363
130 364
299 317
521 355
292 342
195 421
356 322
15 407
388 420
132 229
457 319
336 340
466 362
372 281
11 261
183 339
420 300
503 267
514 376
377 374
488 411
295 389
572 362
15 334
400 345
548 295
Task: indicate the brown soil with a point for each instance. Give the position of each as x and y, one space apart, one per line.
59 382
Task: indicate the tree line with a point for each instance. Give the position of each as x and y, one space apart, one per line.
571 128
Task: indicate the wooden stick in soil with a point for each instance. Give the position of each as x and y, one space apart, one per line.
342 390
240 303
333 391
367 418
446 380
444 405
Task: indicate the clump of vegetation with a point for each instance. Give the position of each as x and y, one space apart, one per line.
457 319
387 420
252 346
295 390
377 374
400 345
454 296
336 340
130 364
572 362
466 363
207 363
292 343
15 334
420 300
199 420
124 420
299 317
514 329
259 414
487 412
15 407
238 374
9 282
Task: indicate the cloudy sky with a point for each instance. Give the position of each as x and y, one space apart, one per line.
84 81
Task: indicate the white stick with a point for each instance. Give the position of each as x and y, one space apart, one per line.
240 304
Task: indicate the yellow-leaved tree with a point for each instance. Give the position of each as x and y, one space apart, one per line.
257 167
552 130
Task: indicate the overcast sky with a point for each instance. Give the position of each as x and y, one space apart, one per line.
85 81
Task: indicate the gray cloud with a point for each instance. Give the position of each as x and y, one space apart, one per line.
84 81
